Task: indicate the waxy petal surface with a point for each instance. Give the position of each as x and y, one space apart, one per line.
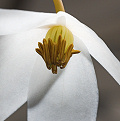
15 21
71 95
17 57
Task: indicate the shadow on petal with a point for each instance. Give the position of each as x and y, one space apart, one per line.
41 82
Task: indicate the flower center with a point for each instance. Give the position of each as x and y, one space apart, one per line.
57 48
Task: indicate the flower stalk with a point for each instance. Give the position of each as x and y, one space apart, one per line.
58 5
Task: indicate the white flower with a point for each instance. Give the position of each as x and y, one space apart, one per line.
72 94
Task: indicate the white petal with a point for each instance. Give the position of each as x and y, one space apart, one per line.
71 95
17 57
95 46
14 21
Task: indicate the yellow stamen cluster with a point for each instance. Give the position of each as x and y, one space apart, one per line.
57 48
54 53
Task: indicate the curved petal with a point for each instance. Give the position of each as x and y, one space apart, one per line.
14 21
95 45
71 95
17 57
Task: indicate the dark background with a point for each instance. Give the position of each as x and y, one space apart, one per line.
103 16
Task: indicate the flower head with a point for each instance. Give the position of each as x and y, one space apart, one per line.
68 95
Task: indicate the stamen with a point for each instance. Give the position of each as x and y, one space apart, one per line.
45 51
54 54
54 69
67 56
75 51
40 45
59 43
63 44
39 52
